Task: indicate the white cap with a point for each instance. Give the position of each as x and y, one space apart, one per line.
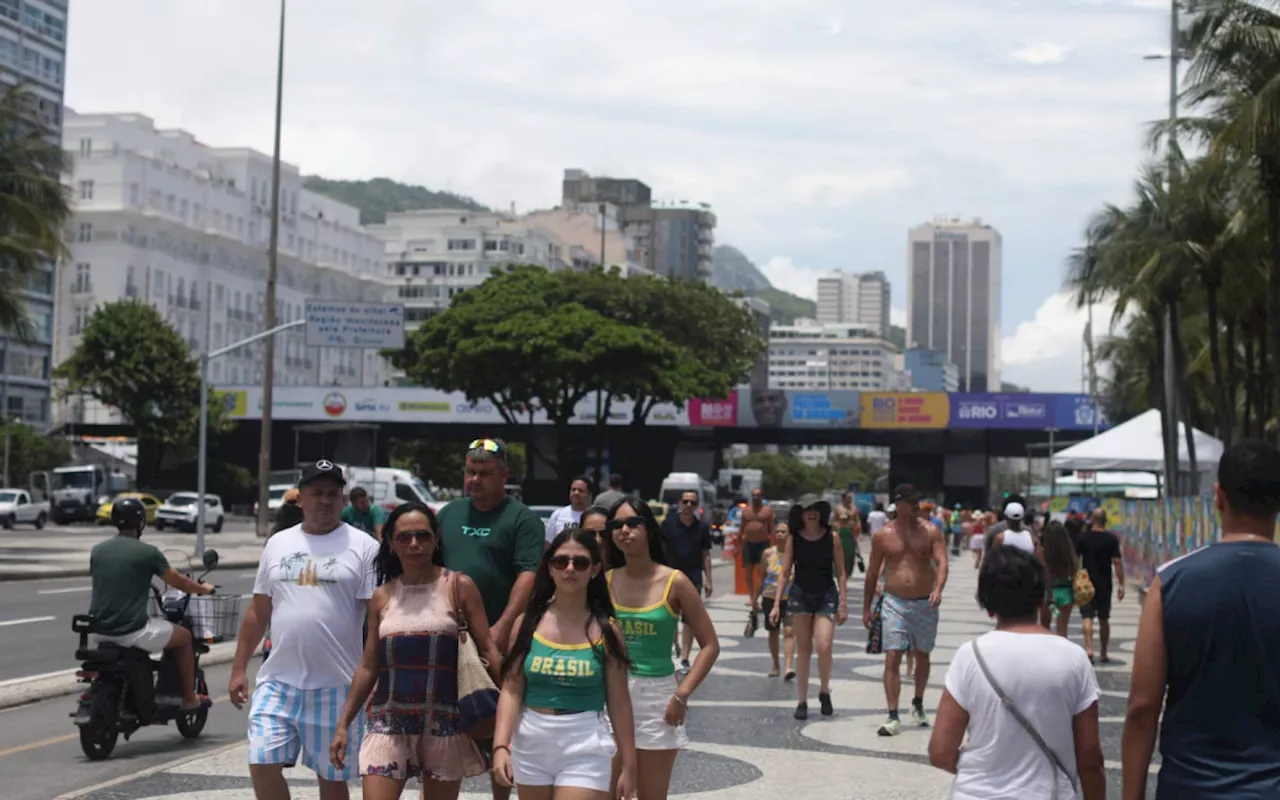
1014 511
892 508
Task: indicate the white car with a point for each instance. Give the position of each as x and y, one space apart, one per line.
179 511
275 498
16 508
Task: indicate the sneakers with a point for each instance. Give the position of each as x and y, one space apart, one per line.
824 701
891 728
918 716
802 711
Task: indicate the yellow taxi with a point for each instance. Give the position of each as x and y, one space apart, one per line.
149 501
659 510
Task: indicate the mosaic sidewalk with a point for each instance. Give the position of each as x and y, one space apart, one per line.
745 743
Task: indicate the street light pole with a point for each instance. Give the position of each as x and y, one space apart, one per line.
269 313
1172 463
203 446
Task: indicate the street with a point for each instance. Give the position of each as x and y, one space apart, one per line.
35 620
40 755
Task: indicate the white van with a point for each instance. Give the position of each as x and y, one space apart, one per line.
677 483
389 487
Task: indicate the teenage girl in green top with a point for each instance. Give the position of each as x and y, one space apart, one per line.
567 663
649 599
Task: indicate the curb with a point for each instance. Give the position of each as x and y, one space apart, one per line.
13 576
24 691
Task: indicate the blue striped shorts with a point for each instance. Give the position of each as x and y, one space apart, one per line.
285 723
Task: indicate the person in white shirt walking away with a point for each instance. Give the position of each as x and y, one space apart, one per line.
1027 698
314 583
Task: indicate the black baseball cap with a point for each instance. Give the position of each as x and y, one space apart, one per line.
322 469
906 493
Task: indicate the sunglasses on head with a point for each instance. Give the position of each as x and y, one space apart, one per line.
629 522
580 563
404 537
488 445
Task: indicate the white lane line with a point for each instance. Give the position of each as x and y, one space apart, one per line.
246 575
67 590
8 622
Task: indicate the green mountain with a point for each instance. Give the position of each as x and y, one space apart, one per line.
733 270
381 196
784 307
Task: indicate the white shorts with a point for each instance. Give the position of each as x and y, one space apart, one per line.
563 750
649 699
152 637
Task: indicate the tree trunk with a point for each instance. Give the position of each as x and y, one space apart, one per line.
1184 391
1264 388
1168 427
1250 382
1232 397
1271 185
604 404
1215 361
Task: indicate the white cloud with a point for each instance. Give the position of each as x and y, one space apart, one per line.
1046 353
783 273
1041 53
898 316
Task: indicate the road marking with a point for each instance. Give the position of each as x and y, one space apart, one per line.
62 673
67 590
9 622
246 574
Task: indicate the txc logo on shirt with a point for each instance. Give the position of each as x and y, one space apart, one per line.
482 533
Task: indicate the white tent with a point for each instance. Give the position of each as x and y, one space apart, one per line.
1137 445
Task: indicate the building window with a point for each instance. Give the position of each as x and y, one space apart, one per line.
81 284
86 148
86 190
462 244
85 233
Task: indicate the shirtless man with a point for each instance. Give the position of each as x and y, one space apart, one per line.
913 556
844 518
756 526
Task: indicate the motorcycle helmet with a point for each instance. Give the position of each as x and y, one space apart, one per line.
128 513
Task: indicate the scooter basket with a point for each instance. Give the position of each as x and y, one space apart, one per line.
214 618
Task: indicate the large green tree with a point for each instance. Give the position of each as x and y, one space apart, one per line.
34 205
129 358
32 452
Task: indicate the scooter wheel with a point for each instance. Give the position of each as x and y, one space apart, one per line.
191 723
98 743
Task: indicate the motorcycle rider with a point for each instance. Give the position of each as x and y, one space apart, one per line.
121 569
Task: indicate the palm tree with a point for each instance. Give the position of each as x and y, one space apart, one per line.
34 205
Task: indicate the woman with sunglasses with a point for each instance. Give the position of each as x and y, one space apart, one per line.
649 599
410 666
595 519
566 665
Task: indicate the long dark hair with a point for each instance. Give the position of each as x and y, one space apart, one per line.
287 515
652 532
599 603
1059 554
388 563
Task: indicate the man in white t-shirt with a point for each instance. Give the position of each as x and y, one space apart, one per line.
569 516
876 519
314 581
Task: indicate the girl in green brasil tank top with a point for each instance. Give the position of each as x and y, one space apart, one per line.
649 599
567 664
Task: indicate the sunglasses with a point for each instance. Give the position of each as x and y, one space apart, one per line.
488 445
405 537
688 502
580 563
629 522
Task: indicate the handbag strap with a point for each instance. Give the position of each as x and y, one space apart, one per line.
1024 722
459 613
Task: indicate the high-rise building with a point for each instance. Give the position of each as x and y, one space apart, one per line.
673 240
857 298
169 221
953 297
33 48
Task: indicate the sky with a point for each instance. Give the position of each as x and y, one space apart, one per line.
820 131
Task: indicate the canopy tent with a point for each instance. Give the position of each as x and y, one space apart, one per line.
1137 445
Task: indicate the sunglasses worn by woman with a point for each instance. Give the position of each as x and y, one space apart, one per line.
650 598
410 666
567 663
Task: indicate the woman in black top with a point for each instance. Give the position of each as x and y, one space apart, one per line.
817 601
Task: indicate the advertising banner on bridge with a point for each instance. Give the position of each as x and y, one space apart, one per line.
1005 411
1075 412
797 408
905 410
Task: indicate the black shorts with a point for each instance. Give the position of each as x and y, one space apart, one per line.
766 607
753 552
1100 607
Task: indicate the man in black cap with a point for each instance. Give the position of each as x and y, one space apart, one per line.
913 555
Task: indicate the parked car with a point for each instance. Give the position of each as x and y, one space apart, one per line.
179 511
149 502
275 497
16 508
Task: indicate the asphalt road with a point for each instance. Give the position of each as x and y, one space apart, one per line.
40 755
35 620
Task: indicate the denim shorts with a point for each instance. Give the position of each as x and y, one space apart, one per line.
823 604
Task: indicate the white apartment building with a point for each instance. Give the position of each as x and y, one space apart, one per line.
813 355
170 221
953 297
33 47
431 255
853 297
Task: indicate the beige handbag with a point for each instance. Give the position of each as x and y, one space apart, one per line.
477 693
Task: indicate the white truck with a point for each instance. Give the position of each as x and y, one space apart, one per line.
75 492
17 508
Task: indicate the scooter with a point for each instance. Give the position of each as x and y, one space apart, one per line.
126 684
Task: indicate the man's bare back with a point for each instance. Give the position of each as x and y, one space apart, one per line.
756 525
909 568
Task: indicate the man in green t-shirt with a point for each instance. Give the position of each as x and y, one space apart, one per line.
121 569
363 514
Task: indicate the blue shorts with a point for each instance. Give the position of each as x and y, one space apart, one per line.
285 723
909 624
822 604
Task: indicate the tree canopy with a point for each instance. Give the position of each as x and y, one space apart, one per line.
786 476
129 358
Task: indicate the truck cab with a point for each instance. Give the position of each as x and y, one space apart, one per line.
76 492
